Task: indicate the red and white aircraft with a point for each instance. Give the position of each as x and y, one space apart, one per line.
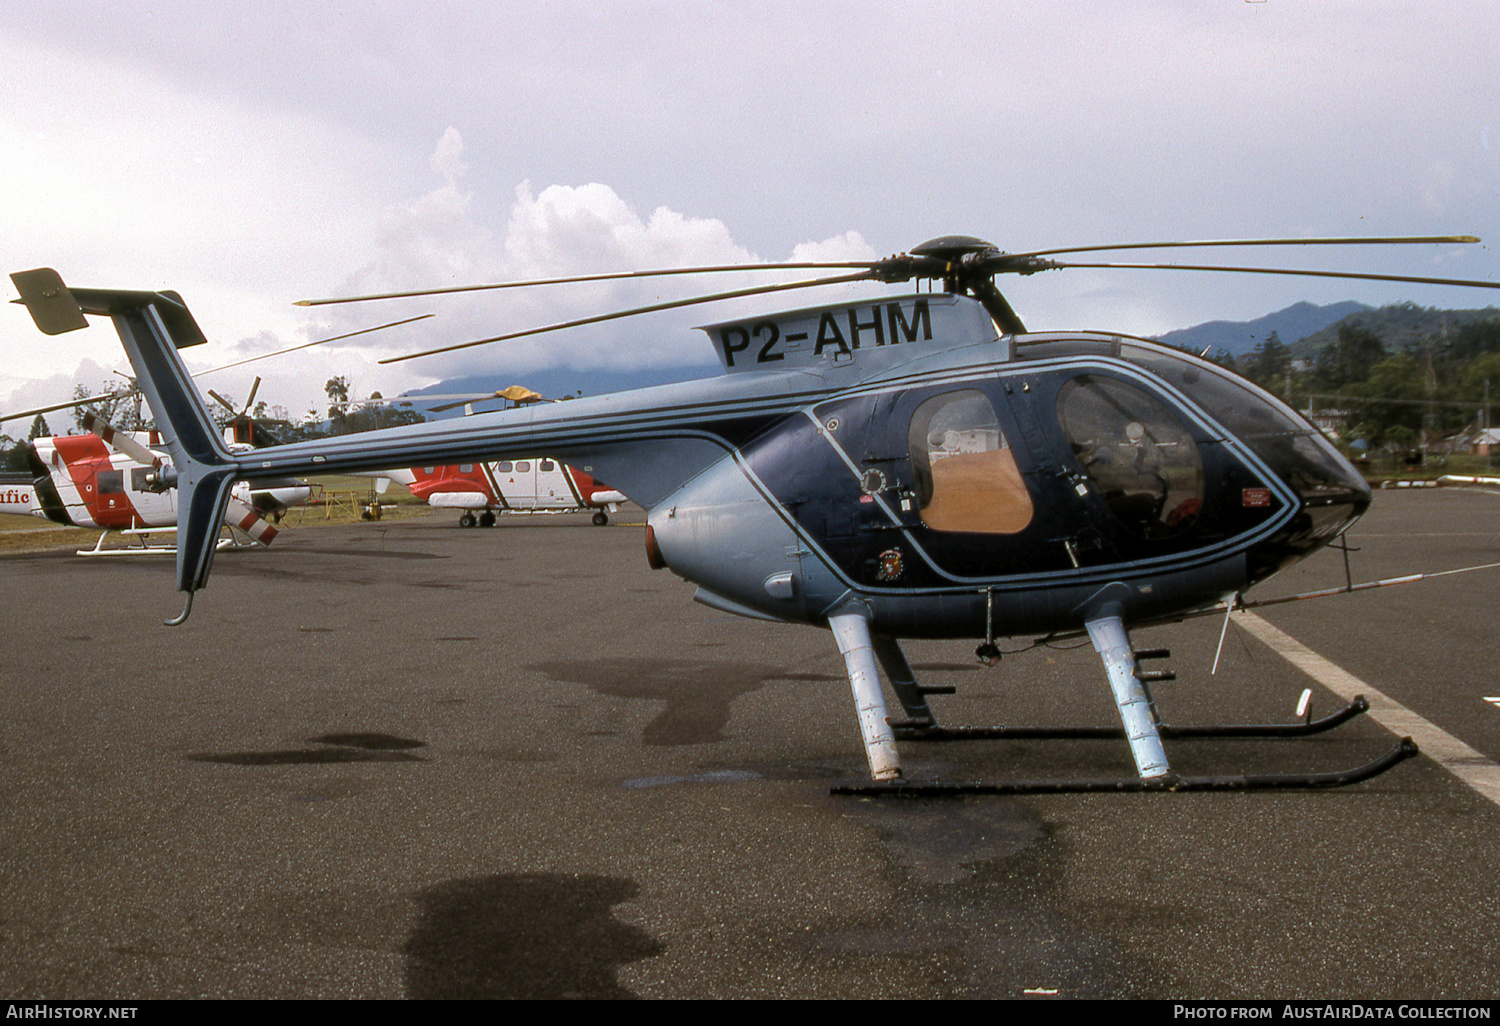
114 480
482 490
17 493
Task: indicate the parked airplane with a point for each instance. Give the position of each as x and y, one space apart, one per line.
482 490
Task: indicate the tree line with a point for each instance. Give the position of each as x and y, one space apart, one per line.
268 424
1422 390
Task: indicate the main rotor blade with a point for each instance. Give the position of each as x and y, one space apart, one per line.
118 440
73 405
610 276
653 308
1349 241
319 342
1286 270
1347 589
515 393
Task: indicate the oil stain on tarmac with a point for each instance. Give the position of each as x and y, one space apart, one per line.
539 936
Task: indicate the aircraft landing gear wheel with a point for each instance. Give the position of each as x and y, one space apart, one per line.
600 519
487 520
467 520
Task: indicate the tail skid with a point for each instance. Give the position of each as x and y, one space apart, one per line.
153 326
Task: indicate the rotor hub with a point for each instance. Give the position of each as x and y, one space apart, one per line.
953 248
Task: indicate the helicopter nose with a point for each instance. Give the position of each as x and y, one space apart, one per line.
1332 495
1331 490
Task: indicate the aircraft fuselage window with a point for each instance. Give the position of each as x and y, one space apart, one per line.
546 466
523 467
466 468
504 467
966 476
429 470
1136 453
111 482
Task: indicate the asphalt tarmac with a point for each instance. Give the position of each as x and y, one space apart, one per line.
405 759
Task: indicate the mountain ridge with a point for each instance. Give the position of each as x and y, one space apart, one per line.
1239 338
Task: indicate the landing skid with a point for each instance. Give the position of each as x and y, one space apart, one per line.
1140 725
911 730
1405 749
140 541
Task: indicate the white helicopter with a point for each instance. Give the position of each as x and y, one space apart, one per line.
910 466
112 479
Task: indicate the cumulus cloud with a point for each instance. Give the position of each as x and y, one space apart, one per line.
443 239
58 388
447 158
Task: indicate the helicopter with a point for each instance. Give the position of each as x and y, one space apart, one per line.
113 479
912 466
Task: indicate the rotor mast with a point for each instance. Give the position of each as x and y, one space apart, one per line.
969 269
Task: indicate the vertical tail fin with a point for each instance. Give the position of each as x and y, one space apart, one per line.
153 326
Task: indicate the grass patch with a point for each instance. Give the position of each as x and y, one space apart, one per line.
343 502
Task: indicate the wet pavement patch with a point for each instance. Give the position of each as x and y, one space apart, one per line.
358 747
537 936
698 692
370 742
978 897
710 777
943 840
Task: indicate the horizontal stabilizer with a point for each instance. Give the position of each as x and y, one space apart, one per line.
56 308
52 306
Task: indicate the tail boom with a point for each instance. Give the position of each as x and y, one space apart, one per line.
153 326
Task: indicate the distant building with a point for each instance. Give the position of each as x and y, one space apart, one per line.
1477 442
1329 420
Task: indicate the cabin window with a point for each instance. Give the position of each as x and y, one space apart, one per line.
966 475
111 482
504 467
1135 452
523 467
466 468
546 466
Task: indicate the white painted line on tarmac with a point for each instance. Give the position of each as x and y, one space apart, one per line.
1447 751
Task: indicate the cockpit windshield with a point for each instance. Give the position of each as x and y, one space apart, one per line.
1297 451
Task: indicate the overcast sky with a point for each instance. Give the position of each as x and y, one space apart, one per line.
251 154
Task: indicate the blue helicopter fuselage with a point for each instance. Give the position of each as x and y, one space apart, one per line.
1009 485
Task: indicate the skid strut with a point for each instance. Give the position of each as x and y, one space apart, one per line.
852 632
1131 697
1140 725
